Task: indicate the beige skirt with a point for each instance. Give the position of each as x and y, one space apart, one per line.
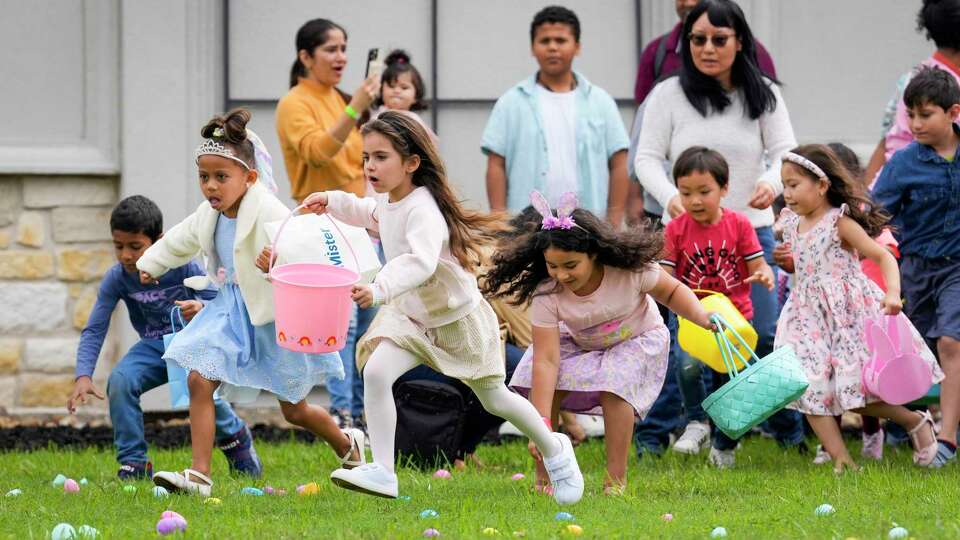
468 349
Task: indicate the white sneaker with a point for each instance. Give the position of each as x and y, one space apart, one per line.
564 472
371 478
695 437
176 482
592 425
822 456
509 430
722 459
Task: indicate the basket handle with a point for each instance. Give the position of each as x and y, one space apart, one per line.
722 340
175 315
273 243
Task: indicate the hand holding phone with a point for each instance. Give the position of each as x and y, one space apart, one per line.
374 64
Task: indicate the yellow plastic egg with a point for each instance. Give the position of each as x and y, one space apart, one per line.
213 501
575 530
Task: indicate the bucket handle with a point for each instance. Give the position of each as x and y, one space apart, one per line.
273 244
175 316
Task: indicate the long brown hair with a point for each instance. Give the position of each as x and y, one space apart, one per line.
844 189
468 229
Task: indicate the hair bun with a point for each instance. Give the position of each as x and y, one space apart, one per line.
233 126
397 56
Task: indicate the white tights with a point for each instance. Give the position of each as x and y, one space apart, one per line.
388 362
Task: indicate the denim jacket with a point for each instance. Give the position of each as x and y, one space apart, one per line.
515 131
921 190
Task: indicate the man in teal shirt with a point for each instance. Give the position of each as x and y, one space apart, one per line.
555 132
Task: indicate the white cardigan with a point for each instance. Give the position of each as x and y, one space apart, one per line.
671 125
195 234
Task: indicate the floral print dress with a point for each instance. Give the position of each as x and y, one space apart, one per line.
823 319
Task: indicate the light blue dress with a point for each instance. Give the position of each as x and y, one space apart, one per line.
221 343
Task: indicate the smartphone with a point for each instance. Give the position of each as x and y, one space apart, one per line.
374 65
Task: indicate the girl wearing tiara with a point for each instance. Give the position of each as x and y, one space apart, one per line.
827 222
232 340
599 343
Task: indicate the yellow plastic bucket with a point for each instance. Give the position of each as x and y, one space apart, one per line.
699 342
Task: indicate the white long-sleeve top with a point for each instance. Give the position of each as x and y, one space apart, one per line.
671 125
421 277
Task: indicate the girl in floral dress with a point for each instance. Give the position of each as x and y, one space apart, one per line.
599 343
827 222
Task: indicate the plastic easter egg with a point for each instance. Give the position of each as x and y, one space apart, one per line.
667 517
212 501
83 482
130 488
171 525
897 532
59 480
575 530
308 489
431 533
518 476
160 492
15 492
490 531
71 486
252 491
428 513
268 490
404 498
563 516
442 473
719 532
86 532
824 510
63 531
279 492
170 514
519 534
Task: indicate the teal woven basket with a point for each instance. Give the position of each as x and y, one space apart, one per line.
756 393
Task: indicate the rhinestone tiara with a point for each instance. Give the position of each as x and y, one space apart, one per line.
215 148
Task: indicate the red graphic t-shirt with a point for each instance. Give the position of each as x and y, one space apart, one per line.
714 257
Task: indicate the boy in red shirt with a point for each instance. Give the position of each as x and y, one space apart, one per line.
716 249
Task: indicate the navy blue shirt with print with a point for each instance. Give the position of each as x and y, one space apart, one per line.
921 190
148 306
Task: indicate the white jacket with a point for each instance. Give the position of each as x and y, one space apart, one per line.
195 234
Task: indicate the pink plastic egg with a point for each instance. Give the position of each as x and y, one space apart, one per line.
518 476
71 486
667 517
173 515
442 473
171 525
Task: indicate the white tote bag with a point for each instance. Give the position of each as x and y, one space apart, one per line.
313 238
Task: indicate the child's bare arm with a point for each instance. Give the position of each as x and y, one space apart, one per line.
680 300
760 272
853 235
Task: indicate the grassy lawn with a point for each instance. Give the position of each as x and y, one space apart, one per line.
771 494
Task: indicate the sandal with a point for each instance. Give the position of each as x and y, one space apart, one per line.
176 482
357 442
923 456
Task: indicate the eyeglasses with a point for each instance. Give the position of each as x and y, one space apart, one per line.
719 40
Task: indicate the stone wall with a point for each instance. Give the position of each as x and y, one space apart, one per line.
55 245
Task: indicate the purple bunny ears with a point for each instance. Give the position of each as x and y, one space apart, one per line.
563 219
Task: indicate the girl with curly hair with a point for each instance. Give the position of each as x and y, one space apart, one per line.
599 343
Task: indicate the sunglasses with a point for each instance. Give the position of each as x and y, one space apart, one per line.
719 40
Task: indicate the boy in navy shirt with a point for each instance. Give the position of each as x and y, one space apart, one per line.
135 224
920 187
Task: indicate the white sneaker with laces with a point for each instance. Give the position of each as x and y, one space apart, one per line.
694 439
722 459
371 478
176 482
822 456
564 472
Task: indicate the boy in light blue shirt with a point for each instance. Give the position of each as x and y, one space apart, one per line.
555 132
135 224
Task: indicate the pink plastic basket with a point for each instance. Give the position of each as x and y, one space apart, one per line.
895 372
312 302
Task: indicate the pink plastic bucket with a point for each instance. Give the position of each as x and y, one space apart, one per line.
895 372
312 303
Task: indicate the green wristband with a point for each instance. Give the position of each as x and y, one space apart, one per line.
351 112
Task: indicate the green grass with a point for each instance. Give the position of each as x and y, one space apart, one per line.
771 494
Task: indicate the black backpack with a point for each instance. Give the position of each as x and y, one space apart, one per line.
430 422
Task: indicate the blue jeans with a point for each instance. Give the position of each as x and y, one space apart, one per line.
347 393
140 370
786 425
652 434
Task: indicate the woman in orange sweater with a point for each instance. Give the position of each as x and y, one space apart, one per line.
316 122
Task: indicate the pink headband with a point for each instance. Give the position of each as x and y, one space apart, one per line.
563 219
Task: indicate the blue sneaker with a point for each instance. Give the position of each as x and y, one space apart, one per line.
135 471
945 454
240 453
